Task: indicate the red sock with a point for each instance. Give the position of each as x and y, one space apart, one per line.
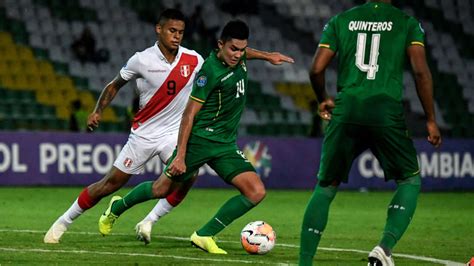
177 196
84 200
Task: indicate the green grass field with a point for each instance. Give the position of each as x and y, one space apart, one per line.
441 231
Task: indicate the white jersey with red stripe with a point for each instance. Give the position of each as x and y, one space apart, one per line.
163 89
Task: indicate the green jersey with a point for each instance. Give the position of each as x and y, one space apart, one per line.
221 90
371 42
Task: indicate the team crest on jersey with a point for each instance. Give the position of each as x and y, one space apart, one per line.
128 162
185 70
201 81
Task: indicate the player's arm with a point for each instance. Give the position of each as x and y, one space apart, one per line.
321 61
178 166
424 88
107 95
275 58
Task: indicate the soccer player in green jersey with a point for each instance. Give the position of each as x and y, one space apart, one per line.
372 41
207 134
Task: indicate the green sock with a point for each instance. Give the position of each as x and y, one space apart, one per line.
400 211
231 210
314 222
142 192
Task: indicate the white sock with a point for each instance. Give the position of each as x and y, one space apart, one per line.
161 209
71 214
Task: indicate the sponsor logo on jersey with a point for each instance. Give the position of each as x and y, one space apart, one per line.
201 81
157 70
257 154
227 76
128 162
185 70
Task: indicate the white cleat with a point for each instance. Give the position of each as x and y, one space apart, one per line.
143 231
54 233
377 257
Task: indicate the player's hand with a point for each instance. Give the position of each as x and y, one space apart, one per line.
325 109
177 166
434 137
277 58
93 121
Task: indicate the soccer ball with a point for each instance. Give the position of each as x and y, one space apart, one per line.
258 237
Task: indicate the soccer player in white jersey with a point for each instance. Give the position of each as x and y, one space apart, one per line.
164 74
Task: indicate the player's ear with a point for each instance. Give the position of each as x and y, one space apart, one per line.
158 29
220 44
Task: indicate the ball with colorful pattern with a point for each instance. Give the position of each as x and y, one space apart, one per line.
258 238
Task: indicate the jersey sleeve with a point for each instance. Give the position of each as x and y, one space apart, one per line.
199 65
416 34
203 85
329 37
131 69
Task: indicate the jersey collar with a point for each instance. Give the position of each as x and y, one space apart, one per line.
163 58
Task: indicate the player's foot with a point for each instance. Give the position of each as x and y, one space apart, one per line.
107 220
206 243
143 230
377 257
54 233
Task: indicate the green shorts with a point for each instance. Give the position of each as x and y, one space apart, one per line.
224 158
392 146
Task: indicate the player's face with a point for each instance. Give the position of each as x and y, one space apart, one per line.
170 34
231 51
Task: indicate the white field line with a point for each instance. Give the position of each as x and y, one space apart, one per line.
38 250
400 255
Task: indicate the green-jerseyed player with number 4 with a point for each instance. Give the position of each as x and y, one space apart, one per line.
207 134
372 41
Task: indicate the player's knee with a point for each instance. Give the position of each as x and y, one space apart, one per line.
261 193
113 181
256 194
160 190
413 180
102 188
111 185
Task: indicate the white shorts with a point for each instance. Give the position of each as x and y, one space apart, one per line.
138 151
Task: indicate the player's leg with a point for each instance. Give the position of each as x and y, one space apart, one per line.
341 145
314 221
399 215
395 151
164 205
142 192
88 198
234 168
252 192
130 161
160 188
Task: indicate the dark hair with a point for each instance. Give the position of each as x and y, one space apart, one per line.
235 29
168 14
